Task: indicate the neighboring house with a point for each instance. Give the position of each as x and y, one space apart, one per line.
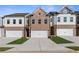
65 22
40 24
1 28
14 25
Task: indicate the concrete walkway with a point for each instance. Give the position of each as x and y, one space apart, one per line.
39 45
74 39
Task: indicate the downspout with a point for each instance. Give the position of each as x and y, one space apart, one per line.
24 26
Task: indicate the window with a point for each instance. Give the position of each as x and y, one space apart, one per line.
45 21
39 21
8 21
14 21
71 19
39 13
20 21
65 19
58 19
33 21
65 11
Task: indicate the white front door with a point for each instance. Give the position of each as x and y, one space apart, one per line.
39 34
65 32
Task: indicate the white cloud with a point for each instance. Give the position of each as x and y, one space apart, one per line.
7 9
10 10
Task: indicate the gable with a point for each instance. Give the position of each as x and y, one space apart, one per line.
39 11
66 10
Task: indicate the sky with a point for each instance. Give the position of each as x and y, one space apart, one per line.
9 9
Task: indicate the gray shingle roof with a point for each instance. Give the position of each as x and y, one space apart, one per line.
76 12
16 14
52 13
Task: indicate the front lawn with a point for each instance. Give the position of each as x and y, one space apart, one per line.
59 40
19 41
76 48
4 48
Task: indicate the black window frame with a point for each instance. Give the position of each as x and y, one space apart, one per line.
20 21
39 21
71 19
14 21
33 21
8 21
58 19
65 19
45 21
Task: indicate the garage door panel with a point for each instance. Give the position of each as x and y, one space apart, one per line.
39 34
65 32
1 32
13 33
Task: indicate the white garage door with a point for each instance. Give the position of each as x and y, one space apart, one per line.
65 32
1 32
39 34
13 33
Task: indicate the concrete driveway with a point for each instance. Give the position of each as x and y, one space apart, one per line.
39 45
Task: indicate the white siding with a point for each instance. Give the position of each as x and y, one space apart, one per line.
62 19
26 19
11 22
1 21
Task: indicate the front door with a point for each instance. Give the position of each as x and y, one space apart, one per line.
27 31
52 31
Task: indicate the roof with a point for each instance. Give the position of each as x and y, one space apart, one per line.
52 13
67 8
38 10
29 15
76 12
16 15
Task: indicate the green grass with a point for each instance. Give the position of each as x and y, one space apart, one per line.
4 48
59 40
76 48
19 41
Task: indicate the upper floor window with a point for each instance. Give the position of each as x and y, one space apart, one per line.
39 21
20 21
45 21
65 19
39 13
71 19
14 21
65 11
33 21
58 19
8 21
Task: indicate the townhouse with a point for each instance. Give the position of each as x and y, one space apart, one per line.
40 24
64 22
14 24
